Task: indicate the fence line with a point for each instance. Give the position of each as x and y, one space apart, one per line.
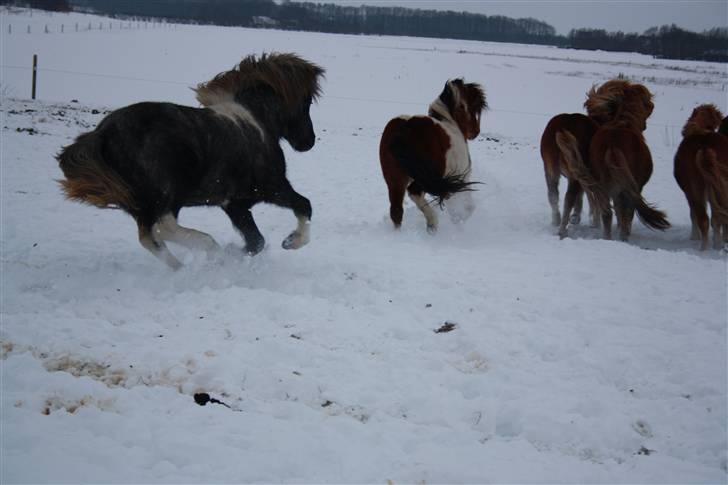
130 25
343 98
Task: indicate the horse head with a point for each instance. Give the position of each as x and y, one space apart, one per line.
465 101
706 118
620 102
288 85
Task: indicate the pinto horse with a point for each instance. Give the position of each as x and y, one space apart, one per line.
429 154
701 171
620 160
151 159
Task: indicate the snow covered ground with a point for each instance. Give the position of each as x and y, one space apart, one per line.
577 361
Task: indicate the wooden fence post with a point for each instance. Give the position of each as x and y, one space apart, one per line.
35 73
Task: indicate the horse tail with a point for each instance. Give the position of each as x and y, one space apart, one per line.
89 180
630 190
569 147
708 167
423 172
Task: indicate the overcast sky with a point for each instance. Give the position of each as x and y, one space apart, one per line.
563 15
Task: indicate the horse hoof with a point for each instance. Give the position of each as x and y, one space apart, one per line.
255 248
431 229
563 234
575 220
295 240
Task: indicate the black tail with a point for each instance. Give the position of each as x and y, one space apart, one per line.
89 179
422 171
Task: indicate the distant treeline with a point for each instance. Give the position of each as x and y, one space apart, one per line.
666 42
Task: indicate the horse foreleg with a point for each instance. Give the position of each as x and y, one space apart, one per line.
418 197
169 230
241 217
156 246
285 196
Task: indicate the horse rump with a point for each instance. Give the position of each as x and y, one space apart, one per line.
569 147
89 180
423 171
716 181
625 184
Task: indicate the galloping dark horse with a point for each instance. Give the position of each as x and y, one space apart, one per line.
152 159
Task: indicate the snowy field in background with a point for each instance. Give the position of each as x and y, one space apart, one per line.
579 360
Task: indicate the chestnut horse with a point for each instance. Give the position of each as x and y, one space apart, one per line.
429 154
620 161
564 135
153 159
701 171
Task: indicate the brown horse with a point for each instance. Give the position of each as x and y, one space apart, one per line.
701 171
581 128
567 136
429 154
620 161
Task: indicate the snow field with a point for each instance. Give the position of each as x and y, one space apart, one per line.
579 360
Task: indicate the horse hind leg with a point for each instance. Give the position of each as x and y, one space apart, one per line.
594 219
718 238
573 193
417 194
169 230
552 186
155 245
625 216
396 211
578 206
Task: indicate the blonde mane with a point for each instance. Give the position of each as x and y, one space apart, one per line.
619 102
290 77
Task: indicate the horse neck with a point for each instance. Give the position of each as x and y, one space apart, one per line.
266 110
439 111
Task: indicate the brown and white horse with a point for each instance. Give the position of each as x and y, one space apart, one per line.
701 171
566 134
429 154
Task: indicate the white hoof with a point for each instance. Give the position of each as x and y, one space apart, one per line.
295 240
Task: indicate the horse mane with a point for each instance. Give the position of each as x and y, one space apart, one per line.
619 102
473 94
290 77
706 118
